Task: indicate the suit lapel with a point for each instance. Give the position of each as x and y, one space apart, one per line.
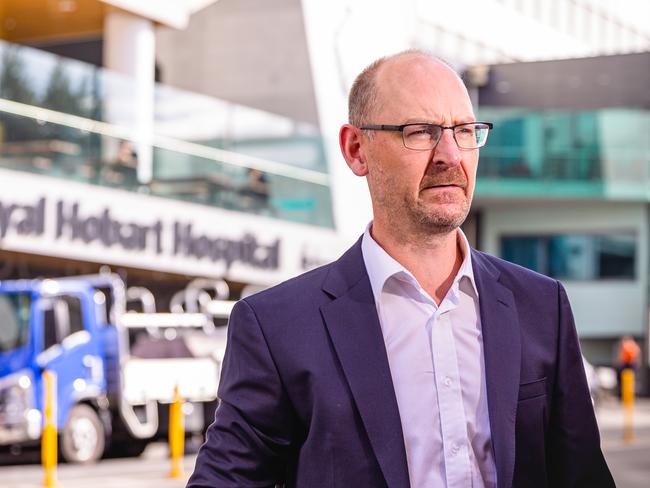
353 325
502 349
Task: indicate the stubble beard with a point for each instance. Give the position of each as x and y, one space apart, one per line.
418 221
423 217
438 214
432 218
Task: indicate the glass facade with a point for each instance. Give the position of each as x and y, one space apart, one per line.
72 120
602 154
580 257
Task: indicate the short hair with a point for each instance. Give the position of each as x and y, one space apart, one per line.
363 96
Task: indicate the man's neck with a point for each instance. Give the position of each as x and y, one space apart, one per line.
433 260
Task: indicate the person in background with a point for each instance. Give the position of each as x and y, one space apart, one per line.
628 357
256 190
122 171
629 353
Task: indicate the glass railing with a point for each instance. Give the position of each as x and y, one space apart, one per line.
592 154
68 119
237 128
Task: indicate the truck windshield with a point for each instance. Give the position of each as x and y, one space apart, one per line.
14 320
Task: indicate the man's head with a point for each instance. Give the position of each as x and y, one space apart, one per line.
415 191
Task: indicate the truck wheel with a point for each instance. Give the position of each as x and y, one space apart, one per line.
82 438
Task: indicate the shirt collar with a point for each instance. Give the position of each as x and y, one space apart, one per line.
381 266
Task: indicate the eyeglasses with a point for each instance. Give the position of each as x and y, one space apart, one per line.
424 137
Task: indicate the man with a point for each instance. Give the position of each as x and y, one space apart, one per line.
413 360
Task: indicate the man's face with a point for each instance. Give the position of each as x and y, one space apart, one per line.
430 191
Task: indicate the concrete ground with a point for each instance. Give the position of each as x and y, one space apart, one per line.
151 470
628 456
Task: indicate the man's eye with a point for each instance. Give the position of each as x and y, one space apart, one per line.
420 132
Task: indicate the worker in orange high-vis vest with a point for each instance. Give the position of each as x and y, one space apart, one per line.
629 354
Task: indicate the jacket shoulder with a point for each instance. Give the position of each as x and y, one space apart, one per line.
291 291
309 288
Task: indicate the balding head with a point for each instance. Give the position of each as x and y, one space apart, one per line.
416 192
364 99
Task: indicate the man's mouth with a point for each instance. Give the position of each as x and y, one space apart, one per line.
442 186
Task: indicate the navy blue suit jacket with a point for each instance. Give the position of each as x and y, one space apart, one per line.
307 398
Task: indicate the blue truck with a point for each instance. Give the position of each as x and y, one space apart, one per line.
116 369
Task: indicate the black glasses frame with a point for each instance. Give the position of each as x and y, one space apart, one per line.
400 128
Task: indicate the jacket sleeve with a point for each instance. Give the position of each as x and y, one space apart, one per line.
248 442
574 455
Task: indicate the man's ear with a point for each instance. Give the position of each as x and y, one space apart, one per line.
350 142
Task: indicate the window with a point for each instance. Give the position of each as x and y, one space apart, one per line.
75 317
14 320
586 257
62 316
50 336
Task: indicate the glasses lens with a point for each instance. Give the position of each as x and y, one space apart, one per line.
421 136
471 136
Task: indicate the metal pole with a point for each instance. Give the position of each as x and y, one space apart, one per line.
49 435
627 395
176 435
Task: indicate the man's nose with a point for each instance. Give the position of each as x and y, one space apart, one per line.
447 151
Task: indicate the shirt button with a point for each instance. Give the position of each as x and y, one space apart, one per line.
447 381
455 448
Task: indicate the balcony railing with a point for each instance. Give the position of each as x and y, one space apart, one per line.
69 119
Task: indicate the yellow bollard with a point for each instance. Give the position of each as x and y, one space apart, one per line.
627 395
49 435
176 435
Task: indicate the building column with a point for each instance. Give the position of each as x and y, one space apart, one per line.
129 49
332 28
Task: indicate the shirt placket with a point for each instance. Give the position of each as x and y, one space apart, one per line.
450 402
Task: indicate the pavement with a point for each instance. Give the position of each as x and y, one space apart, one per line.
151 470
612 421
627 458
626 455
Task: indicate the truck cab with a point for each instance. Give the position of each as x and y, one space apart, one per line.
51 325
115 370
